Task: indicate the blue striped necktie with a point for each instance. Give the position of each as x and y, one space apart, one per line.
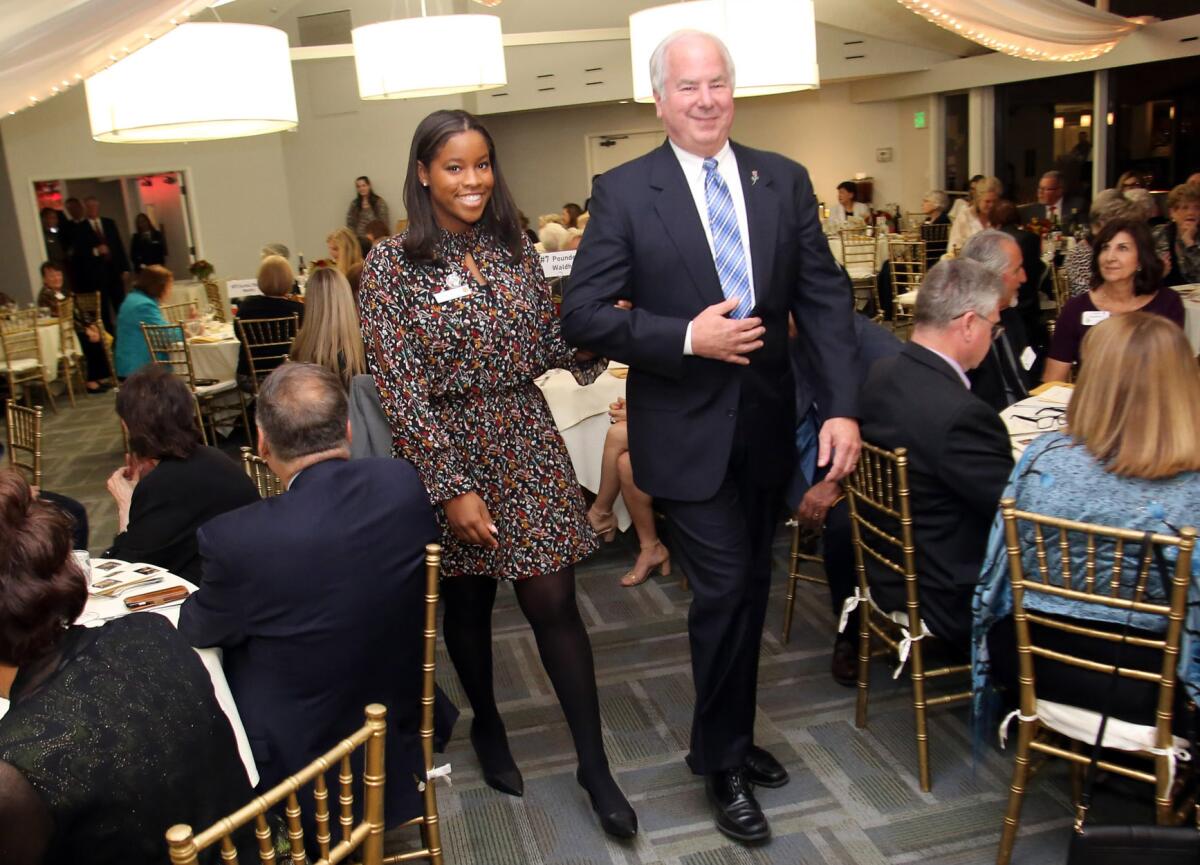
727 240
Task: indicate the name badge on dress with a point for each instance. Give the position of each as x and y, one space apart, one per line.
453 291
1094 316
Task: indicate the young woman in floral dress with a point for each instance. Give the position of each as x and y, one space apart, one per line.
457 323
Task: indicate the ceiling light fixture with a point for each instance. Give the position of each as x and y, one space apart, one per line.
773 42
433 55
200 81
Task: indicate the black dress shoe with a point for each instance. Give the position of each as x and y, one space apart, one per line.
763 770
500 771
737 813
616 815
844 667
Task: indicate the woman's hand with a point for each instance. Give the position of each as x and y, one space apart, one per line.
120 486
616 411
470 521
92 332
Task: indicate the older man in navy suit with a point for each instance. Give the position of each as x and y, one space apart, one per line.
316 596
713 244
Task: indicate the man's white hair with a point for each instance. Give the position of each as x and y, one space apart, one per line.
658 60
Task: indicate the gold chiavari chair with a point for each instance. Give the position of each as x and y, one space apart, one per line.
89 305
22 363
1042 722
860 257
804 546
367 835
23 318
937 239
169 348
265 344
25 439
215 303
881 526
177 313
908 258
70 358
257 470
428 823
912 221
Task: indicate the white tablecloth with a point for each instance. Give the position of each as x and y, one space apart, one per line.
1050 402
99 610
581 415
1191 321
217 360
49 343
881 248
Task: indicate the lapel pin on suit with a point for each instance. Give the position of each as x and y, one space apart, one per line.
753 176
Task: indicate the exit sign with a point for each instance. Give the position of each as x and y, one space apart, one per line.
918 120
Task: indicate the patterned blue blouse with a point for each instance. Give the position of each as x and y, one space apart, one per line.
1058 477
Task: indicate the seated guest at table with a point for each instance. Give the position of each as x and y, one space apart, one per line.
275 281
151 290
1126 275
570 215
1050 206
616 476
170 484
148 245
820 504
1029 330
377 230
113 733
52 290
934 206
330 336
86 332
344 250
1144 199
1178 237
1001 378
354 280
1130 460
1130 180
315 596
959 454
977 215
1110 204
553 237
848 206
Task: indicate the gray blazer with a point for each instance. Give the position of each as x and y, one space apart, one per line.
370 433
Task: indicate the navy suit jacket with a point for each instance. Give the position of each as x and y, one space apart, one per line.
316 598
959 459
645 242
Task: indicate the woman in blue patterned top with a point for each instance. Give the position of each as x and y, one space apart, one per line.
1129 459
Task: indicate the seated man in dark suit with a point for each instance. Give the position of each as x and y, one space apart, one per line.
1002 377
819 503
959 454
316 596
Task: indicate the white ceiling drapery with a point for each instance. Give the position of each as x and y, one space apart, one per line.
50 45
1031 29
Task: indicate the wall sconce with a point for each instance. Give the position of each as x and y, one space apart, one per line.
1060 122
1085 120
1112 118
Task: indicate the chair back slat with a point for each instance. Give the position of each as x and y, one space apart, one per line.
177 313
858 249
346 782
321 815
216 304
367 835
257 470
25 439
266 343
169 348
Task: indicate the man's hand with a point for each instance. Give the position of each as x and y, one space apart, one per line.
470 521
840 443
716 336
817 502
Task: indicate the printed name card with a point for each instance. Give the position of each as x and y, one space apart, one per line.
239 288
557 263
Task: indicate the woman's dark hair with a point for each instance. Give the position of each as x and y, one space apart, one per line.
153 279
160 414
1004 213
499 216
1148 278
573 211
371 196
850 186
42 590
137 222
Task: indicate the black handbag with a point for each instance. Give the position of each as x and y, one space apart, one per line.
1126 844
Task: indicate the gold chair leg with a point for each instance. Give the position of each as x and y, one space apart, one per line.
46 388
251 439
789 604
917 672
1076 774
200 421
864 664
67 372
1016 791
1164 813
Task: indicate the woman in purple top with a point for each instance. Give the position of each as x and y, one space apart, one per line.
1126 275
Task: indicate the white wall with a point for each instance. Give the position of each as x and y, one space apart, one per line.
238 188
543 154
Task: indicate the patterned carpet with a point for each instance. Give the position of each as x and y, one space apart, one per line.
854 798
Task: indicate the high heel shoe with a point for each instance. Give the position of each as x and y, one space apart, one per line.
500 771
661 561
616 818
604 524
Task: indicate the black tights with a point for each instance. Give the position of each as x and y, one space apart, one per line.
548 602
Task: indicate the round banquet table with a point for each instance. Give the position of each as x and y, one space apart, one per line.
1048 401
100 610
581 415
49 345
215 355
881 248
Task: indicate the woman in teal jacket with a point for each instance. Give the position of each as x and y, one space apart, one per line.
141 306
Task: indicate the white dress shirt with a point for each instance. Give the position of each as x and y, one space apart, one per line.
955 365
694 174
838 214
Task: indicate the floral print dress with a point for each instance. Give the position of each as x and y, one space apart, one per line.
455 363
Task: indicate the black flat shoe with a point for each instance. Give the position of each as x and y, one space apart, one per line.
617 818
500 771
763 770
844 664
735 810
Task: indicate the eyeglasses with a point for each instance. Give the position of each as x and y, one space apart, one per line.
1047 417
997 326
